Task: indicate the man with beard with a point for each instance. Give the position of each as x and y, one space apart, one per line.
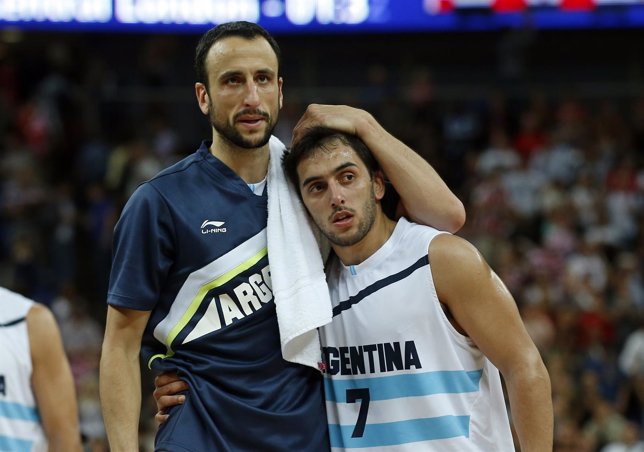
420 322
190 283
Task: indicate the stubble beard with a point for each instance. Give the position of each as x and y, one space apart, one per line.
231 134
364 227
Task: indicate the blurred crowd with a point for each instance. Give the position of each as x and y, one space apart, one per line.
553 187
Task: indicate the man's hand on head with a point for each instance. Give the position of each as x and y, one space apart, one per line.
338 117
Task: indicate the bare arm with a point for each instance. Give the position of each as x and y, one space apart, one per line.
484 308
52 382
120 377
424 195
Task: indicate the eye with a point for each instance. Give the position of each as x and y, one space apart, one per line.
233 81
347 177
315 187
263 78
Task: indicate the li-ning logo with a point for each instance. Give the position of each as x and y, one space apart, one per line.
212 227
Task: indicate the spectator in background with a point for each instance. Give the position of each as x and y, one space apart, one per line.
499 156
531 138
629 441
631 363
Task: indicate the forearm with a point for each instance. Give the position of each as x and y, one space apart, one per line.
530 397
60 416
424 194
52 382
65 439
120 388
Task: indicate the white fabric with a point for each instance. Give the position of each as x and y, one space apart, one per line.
20 428
428 387
297 269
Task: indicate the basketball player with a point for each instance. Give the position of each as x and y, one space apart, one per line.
38 410
420 322
192 240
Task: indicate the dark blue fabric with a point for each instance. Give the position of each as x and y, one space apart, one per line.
243 396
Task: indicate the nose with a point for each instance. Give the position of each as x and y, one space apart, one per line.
336 194
252 94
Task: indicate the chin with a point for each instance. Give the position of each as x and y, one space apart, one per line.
257 141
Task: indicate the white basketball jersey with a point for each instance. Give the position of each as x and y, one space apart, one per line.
20 427
398 376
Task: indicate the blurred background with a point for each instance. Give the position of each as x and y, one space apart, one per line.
533 112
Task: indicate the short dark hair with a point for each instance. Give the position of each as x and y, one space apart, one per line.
318 138
247 30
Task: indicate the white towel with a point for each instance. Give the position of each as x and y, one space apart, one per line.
297 271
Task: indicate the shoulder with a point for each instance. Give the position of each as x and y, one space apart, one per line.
416 234
44 336
174 176
9 297
157 192
448 246
13 305
186 163
40 320
453 259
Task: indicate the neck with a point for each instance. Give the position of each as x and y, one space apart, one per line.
379 233
251 165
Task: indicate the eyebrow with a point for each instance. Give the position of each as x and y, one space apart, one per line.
235 72
336 170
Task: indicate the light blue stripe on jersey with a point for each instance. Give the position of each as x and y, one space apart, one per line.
406 385
390 433
15 444
18 411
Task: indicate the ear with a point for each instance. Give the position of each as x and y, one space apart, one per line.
281 98
379 185
202 97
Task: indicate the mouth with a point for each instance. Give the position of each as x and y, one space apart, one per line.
342 218
251 119
254 120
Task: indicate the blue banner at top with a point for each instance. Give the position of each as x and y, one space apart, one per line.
318 16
